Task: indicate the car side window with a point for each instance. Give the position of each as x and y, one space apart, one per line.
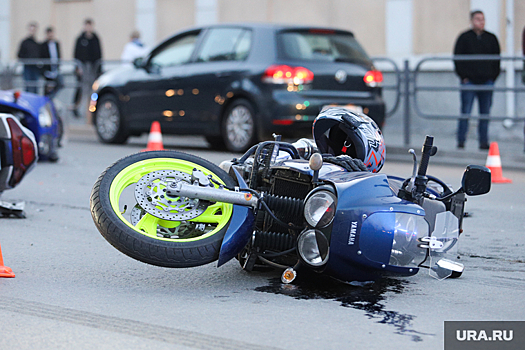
225 44
243 45
176 53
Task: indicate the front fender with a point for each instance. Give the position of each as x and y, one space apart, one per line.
240 229
238 234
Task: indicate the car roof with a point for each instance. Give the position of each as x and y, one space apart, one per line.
270 26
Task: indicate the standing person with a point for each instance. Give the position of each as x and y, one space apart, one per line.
523 49
89 52
30 49
50 50
133 49
476 41
523 71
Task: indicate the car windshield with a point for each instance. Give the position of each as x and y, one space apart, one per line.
321 45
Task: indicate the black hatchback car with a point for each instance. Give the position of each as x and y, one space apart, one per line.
237 84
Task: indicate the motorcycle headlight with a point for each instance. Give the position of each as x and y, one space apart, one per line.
319 209
313 247
44 146
44 117
405 246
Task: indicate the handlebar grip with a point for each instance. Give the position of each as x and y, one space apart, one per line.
425 157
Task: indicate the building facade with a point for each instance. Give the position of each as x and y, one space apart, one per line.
394 28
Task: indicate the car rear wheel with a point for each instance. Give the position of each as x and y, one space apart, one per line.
238 126
109 122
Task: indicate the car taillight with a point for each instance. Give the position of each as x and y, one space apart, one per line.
283 74
24 154
373 78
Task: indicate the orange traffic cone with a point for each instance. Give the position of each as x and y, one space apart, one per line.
155 138
4 270
494 164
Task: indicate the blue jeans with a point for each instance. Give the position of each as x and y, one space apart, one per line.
484 103
31 75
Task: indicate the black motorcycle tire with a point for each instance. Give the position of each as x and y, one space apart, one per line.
173 253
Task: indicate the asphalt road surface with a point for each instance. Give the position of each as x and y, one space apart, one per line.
72 290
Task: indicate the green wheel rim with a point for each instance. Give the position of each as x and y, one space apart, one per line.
218 213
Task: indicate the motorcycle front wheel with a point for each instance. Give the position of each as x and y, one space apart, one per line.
183 232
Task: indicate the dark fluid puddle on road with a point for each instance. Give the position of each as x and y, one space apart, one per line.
365 297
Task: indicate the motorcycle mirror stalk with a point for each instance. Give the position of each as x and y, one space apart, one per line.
418 181
476 179
315 163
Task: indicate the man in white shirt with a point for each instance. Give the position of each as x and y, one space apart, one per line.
133 49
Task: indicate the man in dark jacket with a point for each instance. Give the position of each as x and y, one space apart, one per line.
523 49
30 50
476 41
89 52
50 50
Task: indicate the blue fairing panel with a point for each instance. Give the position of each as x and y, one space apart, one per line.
28 102
238 234
366 205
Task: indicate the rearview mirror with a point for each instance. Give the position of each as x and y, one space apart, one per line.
476 180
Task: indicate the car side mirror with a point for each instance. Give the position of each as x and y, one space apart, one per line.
139 62
476 180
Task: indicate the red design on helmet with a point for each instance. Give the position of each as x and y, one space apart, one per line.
337 131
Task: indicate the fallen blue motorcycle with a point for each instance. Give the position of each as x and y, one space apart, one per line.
319 205
18 155
38 114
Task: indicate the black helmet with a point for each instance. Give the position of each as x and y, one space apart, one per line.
337 131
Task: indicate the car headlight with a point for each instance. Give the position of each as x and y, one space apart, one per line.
44 117
313 247
319 209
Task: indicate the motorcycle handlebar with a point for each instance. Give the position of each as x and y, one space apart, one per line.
427 151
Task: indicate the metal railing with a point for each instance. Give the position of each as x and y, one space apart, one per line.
395 87
406 88
75 78
434 88
14 70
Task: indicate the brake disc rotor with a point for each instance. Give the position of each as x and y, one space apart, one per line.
150 194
